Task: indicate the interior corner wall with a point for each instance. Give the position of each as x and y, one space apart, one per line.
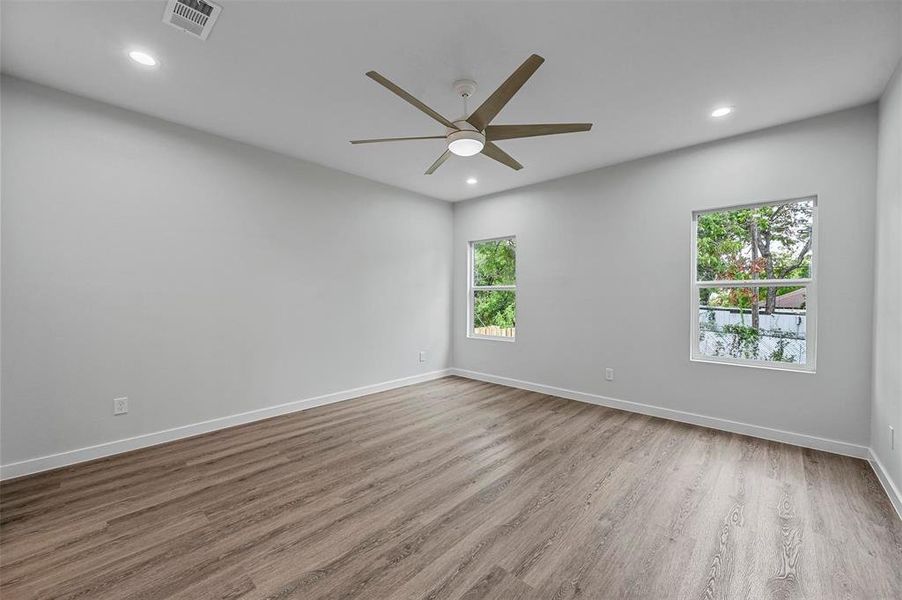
886 409
197 276
603 267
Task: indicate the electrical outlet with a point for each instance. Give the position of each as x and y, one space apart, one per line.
120 406
892 438
609 374
422 356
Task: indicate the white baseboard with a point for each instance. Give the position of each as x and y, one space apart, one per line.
895 496
71 457
777 435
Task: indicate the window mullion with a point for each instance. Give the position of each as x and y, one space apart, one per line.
494 288
748 283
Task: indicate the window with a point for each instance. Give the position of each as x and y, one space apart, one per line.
754 285
492 289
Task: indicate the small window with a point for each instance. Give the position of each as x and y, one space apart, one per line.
754 289
492 289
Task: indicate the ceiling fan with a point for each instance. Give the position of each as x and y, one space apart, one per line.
474 134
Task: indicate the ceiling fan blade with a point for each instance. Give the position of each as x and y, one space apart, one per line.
493 151
483 115
510 132
403 94
401 139
438 162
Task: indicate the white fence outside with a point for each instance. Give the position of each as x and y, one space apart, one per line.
781 338
495 331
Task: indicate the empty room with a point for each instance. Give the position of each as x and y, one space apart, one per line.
450 300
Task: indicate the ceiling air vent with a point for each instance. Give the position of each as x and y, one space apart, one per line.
195 17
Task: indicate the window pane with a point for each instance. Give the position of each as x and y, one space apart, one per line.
728 326
494 262
767 242
494 312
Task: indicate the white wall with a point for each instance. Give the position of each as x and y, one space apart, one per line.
886 409
598 250
202 278
198 276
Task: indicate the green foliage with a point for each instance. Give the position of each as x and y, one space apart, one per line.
494 263
744 342
779 353
494 308
722 238
768 242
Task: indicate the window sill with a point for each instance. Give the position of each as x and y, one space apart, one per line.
491 338
770 366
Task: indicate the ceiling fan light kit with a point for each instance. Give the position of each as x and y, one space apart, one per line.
474 134
465 141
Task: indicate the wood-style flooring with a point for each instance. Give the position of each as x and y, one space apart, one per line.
454 489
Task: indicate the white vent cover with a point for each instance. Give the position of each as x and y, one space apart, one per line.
194 17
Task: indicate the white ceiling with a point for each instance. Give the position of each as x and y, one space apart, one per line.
289 76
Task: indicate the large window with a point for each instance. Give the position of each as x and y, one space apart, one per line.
492 289
754 287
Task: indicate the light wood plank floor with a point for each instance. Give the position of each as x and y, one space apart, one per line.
455 489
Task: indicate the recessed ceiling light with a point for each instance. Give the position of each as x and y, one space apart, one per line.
142 58
472 181
721 111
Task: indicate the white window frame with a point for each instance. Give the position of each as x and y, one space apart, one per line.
810 284
472 288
